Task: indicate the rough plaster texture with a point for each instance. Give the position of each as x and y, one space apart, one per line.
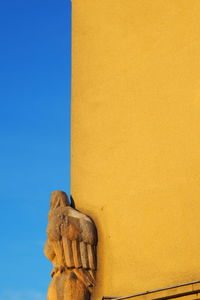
136 138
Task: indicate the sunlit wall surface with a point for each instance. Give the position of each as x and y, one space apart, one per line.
136 138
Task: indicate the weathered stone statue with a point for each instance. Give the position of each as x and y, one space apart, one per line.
71 247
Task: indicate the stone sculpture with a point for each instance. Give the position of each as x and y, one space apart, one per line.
71 247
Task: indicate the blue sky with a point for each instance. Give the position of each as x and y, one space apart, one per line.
35 72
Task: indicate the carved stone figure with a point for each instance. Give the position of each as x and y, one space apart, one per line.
71 247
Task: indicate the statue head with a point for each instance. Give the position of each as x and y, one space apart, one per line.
59 199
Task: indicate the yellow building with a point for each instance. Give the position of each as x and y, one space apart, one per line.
136 140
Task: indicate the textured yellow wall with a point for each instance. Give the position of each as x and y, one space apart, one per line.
136 138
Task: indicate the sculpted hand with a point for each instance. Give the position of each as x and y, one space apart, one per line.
57 269
53 272
61 269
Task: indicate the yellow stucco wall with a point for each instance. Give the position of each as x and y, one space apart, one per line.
136 138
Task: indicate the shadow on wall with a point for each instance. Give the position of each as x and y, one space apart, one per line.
72 202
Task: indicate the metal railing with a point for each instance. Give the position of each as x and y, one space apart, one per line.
151 291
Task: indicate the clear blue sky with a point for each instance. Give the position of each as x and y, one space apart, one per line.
35 135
